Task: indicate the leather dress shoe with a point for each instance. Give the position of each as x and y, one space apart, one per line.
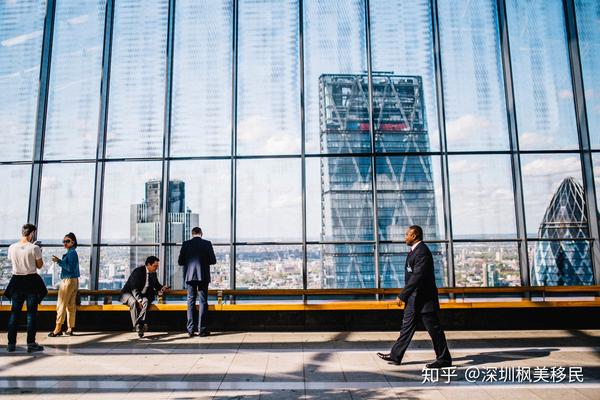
387 357
439 364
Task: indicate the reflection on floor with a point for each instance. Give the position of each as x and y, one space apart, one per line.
315 365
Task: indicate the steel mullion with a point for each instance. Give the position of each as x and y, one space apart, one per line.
514 142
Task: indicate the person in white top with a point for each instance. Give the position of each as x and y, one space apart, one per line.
25 286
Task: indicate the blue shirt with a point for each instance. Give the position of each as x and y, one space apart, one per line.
69 264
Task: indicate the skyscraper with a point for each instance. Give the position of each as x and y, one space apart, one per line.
405 187
565 262
145 220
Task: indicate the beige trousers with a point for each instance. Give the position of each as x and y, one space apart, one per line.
67 295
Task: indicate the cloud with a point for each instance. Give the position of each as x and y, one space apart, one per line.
535 140
263 136
467 126
464 166
552 166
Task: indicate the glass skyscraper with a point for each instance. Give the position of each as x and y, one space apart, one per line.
564 262
406 193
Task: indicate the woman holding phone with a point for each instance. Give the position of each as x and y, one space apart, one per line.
69 284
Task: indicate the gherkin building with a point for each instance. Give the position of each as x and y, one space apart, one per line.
565 262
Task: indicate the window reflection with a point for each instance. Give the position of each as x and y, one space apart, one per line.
21 31
137 81
201 109
482 198
588 30
72 119
541 75
472 73
15 201
269 197
66 200
268 78
334 43
131 204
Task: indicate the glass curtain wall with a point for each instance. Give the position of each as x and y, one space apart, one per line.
303 137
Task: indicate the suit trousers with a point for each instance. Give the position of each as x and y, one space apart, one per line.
138 315
66 304
409 326
197 290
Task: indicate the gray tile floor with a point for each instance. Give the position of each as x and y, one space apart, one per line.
315 365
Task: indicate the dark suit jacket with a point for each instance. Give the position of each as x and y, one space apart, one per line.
419 289
136 282
196 257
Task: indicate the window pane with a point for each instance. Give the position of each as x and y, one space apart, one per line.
15 202
409 192
205 195
219 273
341 266
554 196
472 72
66 202
117 262
21 31
137 81
268 77
392 257
402 43
339 199
541 75
5 267
72 119
334 43
131 205
50 272
561 263
588 29
269 267
482 199
487 264
201 109
269 200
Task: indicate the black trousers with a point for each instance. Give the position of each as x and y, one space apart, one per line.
409 326
15 312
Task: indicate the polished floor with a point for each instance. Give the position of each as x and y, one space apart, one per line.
316 365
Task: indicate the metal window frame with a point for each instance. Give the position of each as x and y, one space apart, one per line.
584 151
511 114
41 113
101 145
585 147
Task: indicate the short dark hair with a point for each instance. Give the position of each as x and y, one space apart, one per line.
417 230
28 229
72 236
196 231
151 260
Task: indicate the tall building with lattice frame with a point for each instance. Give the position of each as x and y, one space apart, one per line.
405 185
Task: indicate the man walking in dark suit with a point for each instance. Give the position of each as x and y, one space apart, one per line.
421 301
139 292
196 257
